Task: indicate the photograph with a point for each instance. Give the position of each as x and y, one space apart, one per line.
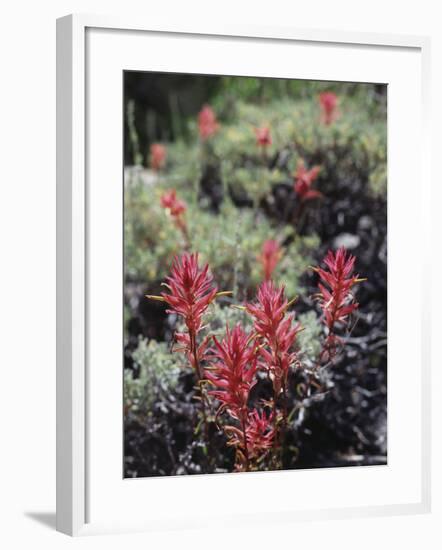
228 221
255 274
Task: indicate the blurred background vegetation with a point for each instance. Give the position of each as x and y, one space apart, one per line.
164 106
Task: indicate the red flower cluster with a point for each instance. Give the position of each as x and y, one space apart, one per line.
191 290
260 433
233 371
276 330
231 365
270 256
158 155
335 297
207 123
175 205
329 107
303 181
176 208
254 440
263 137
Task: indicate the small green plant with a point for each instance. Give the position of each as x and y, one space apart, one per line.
309 339
155 374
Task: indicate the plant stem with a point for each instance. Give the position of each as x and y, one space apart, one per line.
284 419
194 352
246 451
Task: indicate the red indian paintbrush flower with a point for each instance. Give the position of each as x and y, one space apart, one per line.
263 137
170 201
335 298
168 198
270 256
260 433
303 181
233 371
207 123
276 329
176 208
191 290
158 155
254 439
329 107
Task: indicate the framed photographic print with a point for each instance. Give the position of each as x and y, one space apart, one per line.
234 275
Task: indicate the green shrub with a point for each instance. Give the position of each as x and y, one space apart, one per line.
157 372
309 339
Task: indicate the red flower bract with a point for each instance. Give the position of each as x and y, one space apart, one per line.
176 207
335 298
263 137
276 330
233 371
329 107
173 203
190 290
260 433
158 154
270 255
168 198
304 179
207 123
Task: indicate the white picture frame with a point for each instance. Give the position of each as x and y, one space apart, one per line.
78 492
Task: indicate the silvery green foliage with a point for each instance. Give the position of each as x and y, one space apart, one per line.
157 374
309 339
